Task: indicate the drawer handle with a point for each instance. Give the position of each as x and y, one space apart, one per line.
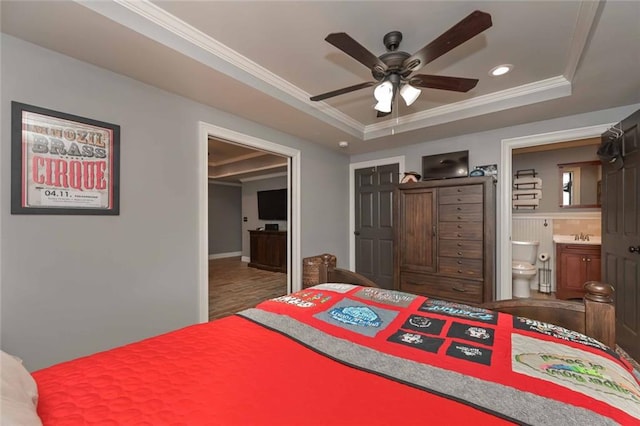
459 227
459 217
461 290
459 244
459 235
459 208
459 271
459 253
459 262
459 199
459 190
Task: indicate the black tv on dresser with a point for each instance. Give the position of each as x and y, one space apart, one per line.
445 166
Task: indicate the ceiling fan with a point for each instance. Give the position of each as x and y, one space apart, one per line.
393 70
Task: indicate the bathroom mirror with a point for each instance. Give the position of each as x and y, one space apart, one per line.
580 184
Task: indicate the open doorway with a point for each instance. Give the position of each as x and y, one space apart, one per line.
264 151
246 263
505 182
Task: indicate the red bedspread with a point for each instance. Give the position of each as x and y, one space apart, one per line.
259 369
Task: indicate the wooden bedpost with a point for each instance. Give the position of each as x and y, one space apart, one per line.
600 321
315 269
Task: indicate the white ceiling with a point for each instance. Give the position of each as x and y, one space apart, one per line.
263 60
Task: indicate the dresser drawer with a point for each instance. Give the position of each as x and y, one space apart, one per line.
440 287
461 249
460 194
460 213
459 267
460 230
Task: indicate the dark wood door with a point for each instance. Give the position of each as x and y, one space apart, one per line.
417 230
374 188
621 234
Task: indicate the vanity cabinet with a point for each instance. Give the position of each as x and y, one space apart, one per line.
445 239
575 265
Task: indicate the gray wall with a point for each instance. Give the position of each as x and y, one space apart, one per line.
73 285
225 219
546 165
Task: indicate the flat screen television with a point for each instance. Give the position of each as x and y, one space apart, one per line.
445 166
272 204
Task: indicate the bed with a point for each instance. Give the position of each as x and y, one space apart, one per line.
339 352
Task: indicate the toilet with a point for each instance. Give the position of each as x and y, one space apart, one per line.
523 268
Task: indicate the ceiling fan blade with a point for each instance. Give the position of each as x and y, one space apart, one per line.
342 91
464 30
457 84
348 45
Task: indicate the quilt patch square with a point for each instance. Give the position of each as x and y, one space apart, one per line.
459 310
418 341
473 333
470 353
388 297
358 317
424 324
590 374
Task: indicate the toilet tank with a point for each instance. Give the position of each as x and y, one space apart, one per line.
524 251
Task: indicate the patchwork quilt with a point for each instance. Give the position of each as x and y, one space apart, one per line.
515 368
341 354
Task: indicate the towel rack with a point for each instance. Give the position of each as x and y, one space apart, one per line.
527 189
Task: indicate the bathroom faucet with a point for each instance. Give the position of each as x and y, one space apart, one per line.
582 237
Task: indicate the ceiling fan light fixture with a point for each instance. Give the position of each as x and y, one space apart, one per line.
409 94
384 95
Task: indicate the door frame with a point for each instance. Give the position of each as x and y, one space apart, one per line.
294 274
504 291
352 193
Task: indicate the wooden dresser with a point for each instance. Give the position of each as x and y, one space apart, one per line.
268 250
445 239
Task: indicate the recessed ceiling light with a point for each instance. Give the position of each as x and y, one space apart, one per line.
500 70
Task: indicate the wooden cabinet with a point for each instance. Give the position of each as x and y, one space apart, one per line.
268 250
575 265
445 239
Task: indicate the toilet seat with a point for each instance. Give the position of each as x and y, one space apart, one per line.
522 266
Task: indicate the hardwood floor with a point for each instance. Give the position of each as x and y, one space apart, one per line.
233 286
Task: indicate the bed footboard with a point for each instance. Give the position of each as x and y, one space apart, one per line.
322 269
595 317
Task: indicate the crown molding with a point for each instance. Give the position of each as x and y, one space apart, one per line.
262 177
586 19
154 22
551 88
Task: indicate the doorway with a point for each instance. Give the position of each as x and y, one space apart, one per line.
206 131
397 164
504 290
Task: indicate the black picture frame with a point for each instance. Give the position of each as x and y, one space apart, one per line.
63 164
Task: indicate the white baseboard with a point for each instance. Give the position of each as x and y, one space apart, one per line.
223 255
246 259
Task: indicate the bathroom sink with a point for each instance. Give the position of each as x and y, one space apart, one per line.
571 239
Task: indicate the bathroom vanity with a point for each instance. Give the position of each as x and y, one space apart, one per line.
577 262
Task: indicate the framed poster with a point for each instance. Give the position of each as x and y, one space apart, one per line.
63 164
